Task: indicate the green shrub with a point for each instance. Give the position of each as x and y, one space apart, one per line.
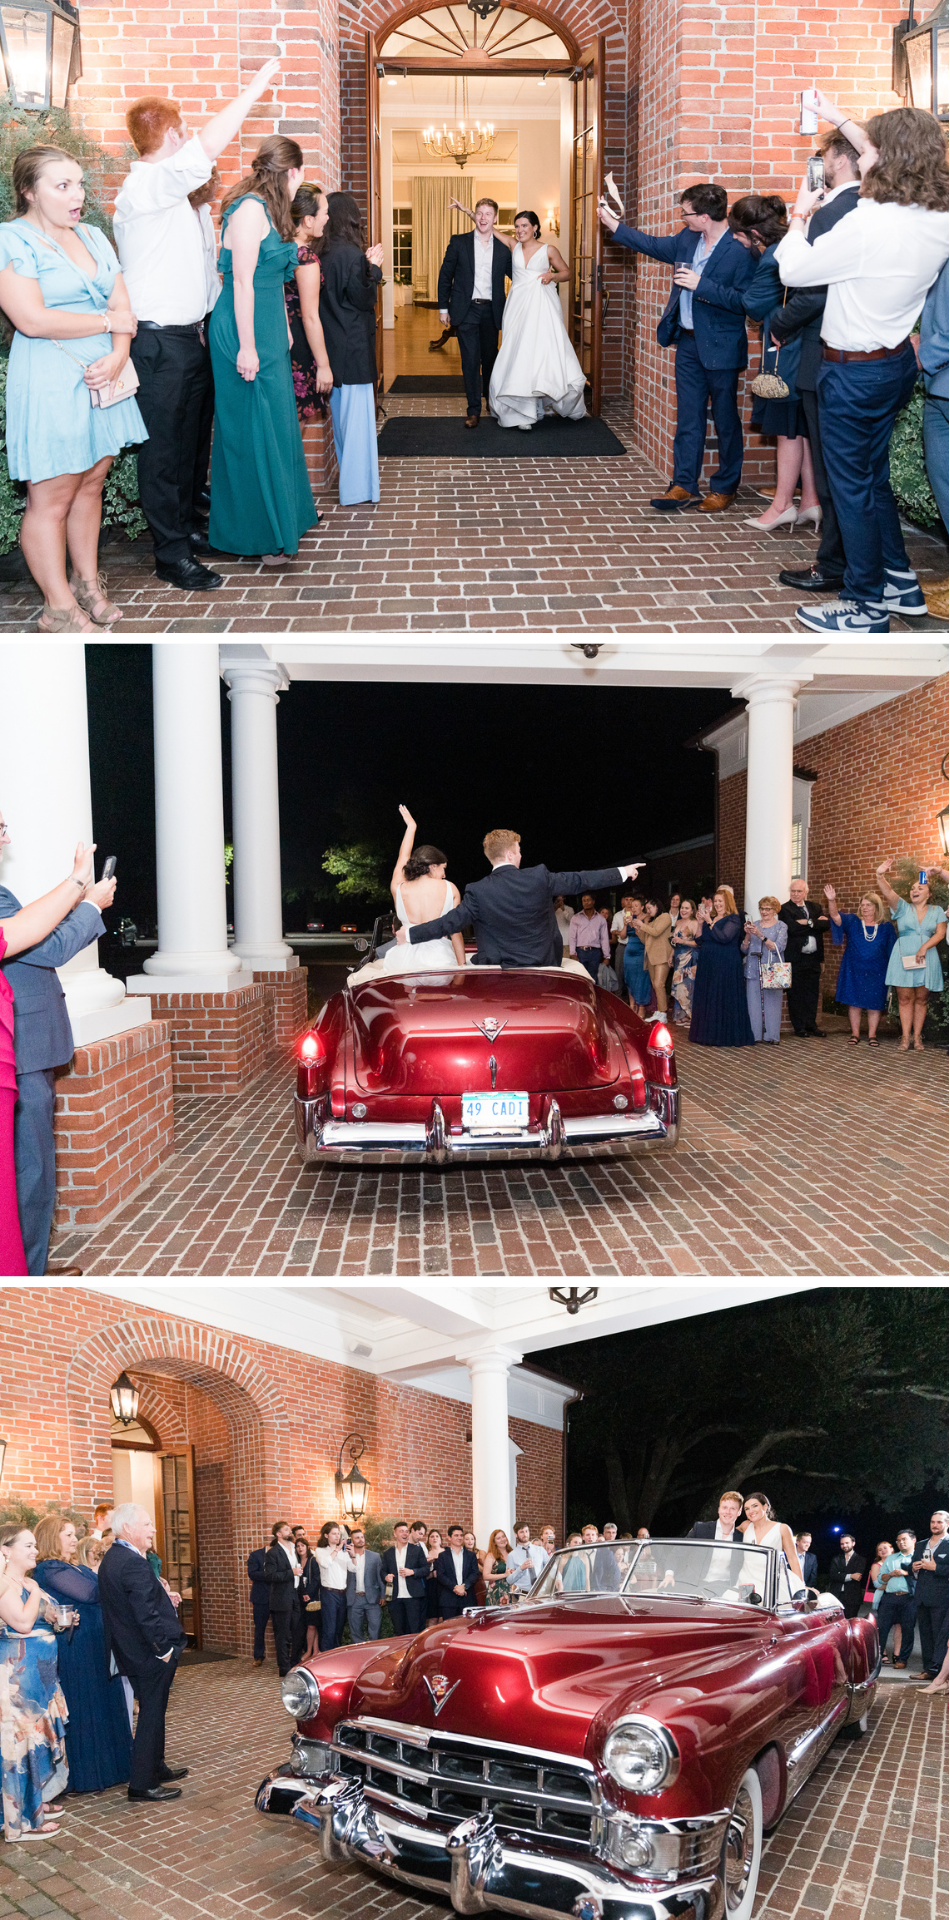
17 1511
911 487
120 495
12 492
19 128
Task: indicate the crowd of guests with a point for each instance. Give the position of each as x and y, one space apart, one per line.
850 290
154 341
726 973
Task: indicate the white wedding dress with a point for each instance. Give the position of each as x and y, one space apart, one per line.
426 955
537 362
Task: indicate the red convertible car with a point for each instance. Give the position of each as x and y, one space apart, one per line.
613 1748
481 1062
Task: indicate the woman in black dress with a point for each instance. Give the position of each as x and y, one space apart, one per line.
720 1009
309 363
352 273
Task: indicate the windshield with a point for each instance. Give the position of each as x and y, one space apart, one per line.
679 1569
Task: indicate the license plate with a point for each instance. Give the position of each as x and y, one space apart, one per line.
495 1112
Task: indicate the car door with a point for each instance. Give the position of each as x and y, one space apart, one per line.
818 1680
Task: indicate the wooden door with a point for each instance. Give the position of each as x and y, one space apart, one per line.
176 1531
374 189
587 234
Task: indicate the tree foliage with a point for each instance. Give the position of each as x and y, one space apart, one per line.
357 870
834 1394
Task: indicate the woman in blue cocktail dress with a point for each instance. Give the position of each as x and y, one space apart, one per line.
98 1736
920 927
32 1708
61 288
636 976
862 977
720 1008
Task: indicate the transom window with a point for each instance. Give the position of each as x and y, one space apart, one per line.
453 33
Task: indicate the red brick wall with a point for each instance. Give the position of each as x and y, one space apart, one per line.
288 995
219 1041
285 1414
113 1123
878 792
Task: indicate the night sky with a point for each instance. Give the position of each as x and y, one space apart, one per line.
588 776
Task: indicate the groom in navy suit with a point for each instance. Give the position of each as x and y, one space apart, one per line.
43 1041
513 912
472 298
710 341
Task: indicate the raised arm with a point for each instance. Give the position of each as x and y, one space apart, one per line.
832 900
405 849
220 131
892 898
32 923
826 110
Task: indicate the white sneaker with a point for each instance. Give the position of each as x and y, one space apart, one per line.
902 594
845 616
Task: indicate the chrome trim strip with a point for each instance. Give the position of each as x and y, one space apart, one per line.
411 1142
425 1737
864 1686
824 1731
483 1787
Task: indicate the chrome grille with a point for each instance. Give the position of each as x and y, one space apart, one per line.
443 1779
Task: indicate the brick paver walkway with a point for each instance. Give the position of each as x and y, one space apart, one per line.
492 545
809 1158
861 1842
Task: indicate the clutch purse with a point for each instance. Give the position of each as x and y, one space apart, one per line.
312 1606
771 386
119 389
775 973
910 964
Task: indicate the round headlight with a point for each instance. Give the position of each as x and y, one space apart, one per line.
300 1693
641 1756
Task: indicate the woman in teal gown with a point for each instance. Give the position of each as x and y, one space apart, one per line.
261 498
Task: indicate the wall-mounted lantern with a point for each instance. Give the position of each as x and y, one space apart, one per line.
39 41
921 61
125 1399
352 1488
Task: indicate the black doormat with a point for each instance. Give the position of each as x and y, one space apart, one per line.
427 383
551 439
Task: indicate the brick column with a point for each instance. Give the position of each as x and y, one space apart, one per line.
288 996
219 1041
114 1122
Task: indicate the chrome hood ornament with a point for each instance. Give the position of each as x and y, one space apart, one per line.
491 1028
439 1691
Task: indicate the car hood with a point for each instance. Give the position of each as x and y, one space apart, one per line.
553 1677
420 1033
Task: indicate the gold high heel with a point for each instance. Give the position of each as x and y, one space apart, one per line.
88 592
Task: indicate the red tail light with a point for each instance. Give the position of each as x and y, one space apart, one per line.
311 1048
661 1039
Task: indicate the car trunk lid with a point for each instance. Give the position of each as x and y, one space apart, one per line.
436 1034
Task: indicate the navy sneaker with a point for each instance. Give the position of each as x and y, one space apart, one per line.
902 594
845 616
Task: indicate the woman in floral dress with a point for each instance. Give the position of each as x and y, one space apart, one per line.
494 1570
309 365
32 1708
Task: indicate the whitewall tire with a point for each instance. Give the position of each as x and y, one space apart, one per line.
742 1853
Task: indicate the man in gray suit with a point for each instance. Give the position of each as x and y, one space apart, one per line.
365 1589
43 1041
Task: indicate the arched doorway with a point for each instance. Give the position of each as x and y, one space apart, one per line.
423 49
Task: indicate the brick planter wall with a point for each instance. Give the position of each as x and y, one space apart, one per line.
288 997
220 1041
113 1123
266 1424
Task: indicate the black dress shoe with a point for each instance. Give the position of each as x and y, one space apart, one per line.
154 1793
812 580
170 1773
815 1033
203 503
199 542
188 575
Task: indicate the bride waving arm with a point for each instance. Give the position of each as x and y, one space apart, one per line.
405 849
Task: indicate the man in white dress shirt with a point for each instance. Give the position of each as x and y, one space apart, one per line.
161 249
365 1589
472 295
405 1566
525 1561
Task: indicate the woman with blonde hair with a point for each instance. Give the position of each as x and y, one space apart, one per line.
261 500
867 937
494 1569
98 1735
720 1010
914 968
91 1551
764 943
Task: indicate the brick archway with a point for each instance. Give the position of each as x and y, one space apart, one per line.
202 1388
548 15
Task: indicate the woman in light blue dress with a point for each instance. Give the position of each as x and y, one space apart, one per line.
920 927
61 289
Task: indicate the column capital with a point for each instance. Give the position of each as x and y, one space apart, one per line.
754 687
254 676
489 1360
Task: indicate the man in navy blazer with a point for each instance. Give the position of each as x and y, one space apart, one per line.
43 1041
365 1589
472 298
711 342
512 911
144 1636
458 1573
405 1566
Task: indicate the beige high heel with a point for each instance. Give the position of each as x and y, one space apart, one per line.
811 515
787 518
88 592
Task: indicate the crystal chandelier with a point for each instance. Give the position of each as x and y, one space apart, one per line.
463 142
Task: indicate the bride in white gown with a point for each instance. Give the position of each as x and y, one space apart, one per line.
421 892
536 365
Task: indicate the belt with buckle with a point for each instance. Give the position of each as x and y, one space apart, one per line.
874 353
192 326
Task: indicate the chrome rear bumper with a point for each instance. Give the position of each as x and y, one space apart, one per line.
474 1867
371 1143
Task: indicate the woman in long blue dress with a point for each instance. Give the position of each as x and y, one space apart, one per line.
920 926
261 498
33 1711
636 975
720 1009
61 288
685 929
98 1737
867 939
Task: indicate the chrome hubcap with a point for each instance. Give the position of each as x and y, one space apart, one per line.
739 1849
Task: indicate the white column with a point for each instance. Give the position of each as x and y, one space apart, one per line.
47 798
193 954
768 831
258 917
491 1460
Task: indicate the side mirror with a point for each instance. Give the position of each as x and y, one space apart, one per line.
361 945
